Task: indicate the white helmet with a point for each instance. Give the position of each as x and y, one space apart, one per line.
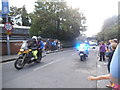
34 37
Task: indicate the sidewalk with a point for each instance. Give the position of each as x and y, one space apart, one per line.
7 58
102 70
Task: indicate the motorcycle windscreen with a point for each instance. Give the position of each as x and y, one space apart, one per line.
24 45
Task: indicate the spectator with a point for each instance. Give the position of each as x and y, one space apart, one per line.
111 42
115 41
110 54
50 44
53 45
113 47
114 75
109 46
102 51
47 45
115 68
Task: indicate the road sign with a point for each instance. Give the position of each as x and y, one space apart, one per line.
5 7
8 26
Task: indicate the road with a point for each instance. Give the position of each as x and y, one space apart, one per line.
57 70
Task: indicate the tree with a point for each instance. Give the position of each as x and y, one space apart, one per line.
18 16
109 29
25 17
55 20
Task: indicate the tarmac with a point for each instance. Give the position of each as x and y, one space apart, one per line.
7 58
101 68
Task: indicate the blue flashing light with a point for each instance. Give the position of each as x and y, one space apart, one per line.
84 46
77 46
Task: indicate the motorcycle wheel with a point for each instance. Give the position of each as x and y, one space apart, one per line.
19 63
82 58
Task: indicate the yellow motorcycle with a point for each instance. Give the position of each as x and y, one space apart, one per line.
26 56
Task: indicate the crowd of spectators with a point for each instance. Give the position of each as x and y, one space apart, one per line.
52 44
108 51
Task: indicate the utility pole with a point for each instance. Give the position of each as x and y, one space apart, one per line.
5 11
8 39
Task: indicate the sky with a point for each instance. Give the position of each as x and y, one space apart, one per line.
96 11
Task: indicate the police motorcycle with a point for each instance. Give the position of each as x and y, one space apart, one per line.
26 56
83 51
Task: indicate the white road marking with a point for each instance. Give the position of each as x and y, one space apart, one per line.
48 64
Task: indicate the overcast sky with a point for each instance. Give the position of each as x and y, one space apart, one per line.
96 11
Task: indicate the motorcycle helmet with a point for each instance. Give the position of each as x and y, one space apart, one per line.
39 38
34 37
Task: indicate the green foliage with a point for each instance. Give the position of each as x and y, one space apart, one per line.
25 17
4 20
109 30
18 16
55 20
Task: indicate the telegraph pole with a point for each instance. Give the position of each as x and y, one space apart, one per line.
8 39
5 11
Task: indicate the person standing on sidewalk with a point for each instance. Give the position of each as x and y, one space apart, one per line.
110 44
102 50
115 68
110 55
114 75
113 47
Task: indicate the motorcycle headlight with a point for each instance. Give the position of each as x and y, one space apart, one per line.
21 50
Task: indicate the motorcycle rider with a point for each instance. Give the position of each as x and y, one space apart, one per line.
34 46
40 47
84 47
87 48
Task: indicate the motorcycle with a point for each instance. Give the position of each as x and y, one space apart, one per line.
25 56
83 53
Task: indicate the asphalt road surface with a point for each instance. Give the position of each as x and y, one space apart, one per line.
57 70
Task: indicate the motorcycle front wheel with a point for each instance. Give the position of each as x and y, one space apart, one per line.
19 63
82 58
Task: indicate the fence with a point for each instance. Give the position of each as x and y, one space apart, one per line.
18 34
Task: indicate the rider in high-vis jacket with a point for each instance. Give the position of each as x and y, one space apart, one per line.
34 46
